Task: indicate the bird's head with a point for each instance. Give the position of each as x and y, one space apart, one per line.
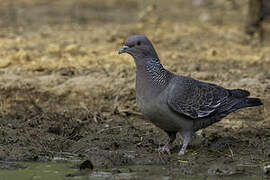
138 46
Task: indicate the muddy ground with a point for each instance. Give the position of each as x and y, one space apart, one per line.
64 90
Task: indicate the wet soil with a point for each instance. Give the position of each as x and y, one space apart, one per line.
64 90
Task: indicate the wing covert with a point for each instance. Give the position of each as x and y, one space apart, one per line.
194 98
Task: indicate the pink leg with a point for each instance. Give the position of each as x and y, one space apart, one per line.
186 136
167 146
164 149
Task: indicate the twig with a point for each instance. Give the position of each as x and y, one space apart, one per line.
102 130
232 154
129 111
248 165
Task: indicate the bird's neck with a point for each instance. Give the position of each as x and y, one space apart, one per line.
150 74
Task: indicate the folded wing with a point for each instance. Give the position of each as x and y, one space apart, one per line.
197 99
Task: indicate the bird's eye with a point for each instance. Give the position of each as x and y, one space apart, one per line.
139 43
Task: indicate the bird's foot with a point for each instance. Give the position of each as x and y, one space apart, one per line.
164 149
182 152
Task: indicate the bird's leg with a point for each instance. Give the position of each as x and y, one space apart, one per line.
186 136
167 146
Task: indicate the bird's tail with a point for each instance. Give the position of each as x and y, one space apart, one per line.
248 102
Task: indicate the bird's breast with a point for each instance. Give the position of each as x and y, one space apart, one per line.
158 112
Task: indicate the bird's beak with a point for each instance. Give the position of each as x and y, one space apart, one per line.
123 49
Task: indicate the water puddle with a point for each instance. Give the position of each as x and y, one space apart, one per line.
68 170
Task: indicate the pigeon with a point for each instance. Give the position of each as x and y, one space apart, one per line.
178 103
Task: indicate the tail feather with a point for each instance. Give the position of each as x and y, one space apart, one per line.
253 102
239 93
248 102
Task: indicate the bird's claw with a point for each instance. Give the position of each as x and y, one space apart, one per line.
181 153
164 149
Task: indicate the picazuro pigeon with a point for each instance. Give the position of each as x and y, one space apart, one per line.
178 103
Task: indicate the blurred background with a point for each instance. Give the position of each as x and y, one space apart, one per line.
63 86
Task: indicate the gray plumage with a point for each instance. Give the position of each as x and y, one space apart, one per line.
178 103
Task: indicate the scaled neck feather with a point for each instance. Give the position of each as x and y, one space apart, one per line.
150 72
